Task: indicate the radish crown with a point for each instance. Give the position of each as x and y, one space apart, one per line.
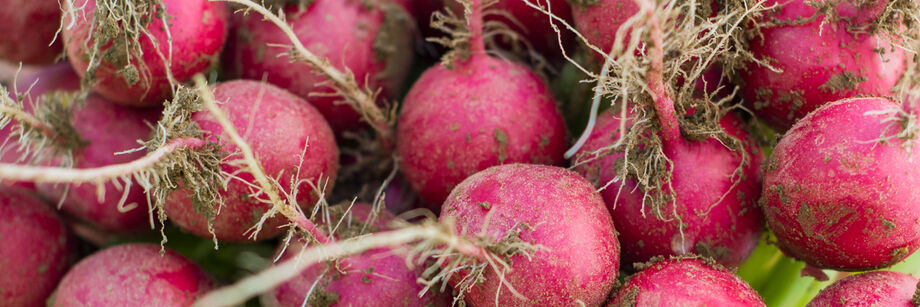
47 132
466 32
690 40
116 30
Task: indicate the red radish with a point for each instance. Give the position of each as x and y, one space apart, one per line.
476 113
599 20
579 255
369 38
685 282
379 277
197 29
701 199
132 275
106 128
28 28
719 217
882 288
36 252
818 63
279 126
837 196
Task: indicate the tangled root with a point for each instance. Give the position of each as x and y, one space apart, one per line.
44 133
692 42
116 30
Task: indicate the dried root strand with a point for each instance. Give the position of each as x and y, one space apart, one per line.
427 234
468 269
362 100
46 132
270 187
691 41
465 33
902 125
116 30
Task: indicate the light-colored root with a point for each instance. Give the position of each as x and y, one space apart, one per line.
427 234
114 38
44 133
362 100
269 187
687 44
902 125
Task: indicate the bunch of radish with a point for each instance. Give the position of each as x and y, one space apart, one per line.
459 152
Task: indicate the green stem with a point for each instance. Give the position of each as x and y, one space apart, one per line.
911 265
759 267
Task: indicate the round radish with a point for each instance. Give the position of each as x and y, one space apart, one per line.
818 62
279 127
369 38
29 27
195 35
837 196
36 252
105 129
477 112
377 277
685 282
599 20
718 213
550 207
883 288
132 275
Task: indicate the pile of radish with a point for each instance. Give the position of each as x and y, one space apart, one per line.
459 152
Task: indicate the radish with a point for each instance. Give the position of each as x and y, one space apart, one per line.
37 249
675 185
29 28
377 277
809 62
882 288
132 275
839 187
124 49
685 282
104 129
369 38
550 207
289 137
718 213
599 20
475 112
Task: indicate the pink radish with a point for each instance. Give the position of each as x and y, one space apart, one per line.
478 112
839 189
547 206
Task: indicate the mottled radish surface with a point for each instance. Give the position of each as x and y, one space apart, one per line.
685 282
836 197
36 252
726 229
28 29
106 128
198 29
278 126
483 112
378 277
580 255
132 275
883 288
599 20
819 64
366 37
